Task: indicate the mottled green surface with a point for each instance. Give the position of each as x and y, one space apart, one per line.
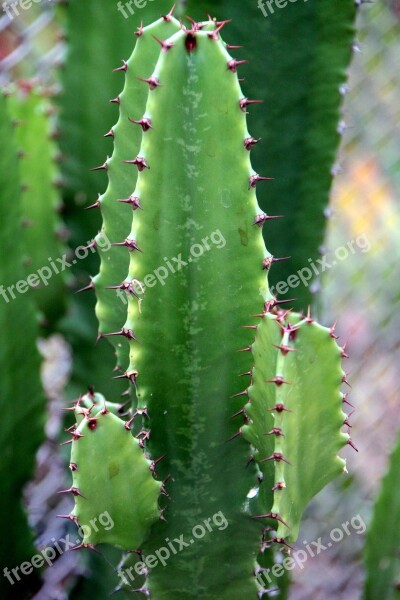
190 321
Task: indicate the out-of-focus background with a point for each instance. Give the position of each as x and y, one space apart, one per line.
361 291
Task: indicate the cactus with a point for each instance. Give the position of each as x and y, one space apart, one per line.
198 271
110 476
43 229
81 132
117 203
382 547
22 403
299 54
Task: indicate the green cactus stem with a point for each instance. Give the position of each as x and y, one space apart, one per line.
111 477
117 202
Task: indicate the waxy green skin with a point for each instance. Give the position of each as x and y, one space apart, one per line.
193 353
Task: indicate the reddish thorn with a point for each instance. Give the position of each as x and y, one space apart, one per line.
248 349
278 380
133 201
145 123
343 351
129 423
123 68
129 288
109 134
128 333
344 380
332 331
233 64
102 167
165 46
249 326
249 142
276 456
72 490
73 466
116 100
70 518
86 289
268 262
254 179
346 401
282 541
155 463
245 102
239 412
87 546
275 431
152 81
139 161
230 47
279 486
285 349
169 16
247 373
250 460
235 435
139 31
95 205
271 515
308 316
351 443
132 376
128 243
279 408
90 246
244 393
260 219
214 35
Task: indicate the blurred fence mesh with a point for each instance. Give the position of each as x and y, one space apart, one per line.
361 290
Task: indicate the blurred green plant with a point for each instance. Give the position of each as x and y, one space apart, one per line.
30 106
22 402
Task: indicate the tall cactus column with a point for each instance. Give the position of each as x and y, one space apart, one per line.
198 182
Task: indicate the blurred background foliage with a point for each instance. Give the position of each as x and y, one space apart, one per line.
361 292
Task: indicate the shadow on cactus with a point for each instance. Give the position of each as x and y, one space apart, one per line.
237 406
